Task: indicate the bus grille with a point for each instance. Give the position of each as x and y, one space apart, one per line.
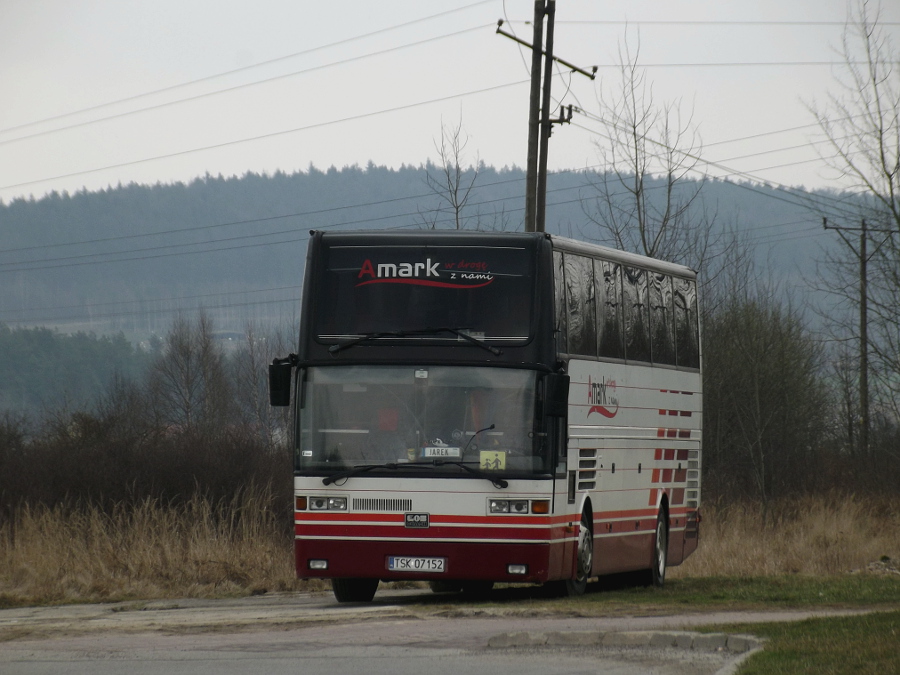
402 505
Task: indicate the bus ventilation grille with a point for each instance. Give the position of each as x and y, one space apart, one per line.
402 505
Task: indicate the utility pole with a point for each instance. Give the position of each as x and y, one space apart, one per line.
541 206
539 122
863 343
534 128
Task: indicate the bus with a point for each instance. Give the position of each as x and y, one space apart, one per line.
473 408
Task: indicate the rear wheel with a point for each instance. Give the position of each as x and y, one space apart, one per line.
656 575
584 558
354 590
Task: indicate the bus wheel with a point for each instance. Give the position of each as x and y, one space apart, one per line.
584 559
656 575
354 590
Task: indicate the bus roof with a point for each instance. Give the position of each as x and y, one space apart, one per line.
623 257
393 237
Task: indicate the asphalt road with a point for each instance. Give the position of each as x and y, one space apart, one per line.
401 633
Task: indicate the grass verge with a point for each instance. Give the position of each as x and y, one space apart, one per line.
857 645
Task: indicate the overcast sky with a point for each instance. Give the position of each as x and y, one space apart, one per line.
101 92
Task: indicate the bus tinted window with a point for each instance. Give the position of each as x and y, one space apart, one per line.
637 324
608 282
581 312
487 291
559 289
662 324
687 327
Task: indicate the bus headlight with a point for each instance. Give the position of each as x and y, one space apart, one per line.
337 503
499 506
519 507
327 503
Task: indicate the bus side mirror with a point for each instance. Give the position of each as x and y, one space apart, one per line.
280 382
556 395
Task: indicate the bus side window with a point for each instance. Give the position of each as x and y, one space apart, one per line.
581 312
608 282
559 288
637 324
662 329
687 327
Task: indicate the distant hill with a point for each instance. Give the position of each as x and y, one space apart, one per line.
127 258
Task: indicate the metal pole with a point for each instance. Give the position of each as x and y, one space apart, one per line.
863 346
533 120
541 198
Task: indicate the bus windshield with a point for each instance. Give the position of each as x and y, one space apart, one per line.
357 416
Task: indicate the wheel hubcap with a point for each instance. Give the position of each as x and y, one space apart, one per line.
661 547
585 552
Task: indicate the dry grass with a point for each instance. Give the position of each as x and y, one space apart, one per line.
207 549
823 536
197 549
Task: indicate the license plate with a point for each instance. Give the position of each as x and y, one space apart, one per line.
398 563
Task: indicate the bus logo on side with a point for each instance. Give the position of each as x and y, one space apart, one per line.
419 520
602 397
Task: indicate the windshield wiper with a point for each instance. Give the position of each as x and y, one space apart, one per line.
394 466
465 336
334 349
365 468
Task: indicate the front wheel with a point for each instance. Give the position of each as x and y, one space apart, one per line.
354 590
584 559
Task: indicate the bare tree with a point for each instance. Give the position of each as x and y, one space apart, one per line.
644 199
251 383
189 388
452 182
449 180
765 408
860 123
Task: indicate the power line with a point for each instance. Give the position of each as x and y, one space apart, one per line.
801 24
792 192
273 134
94 305
240 86
382 202
245 68
95 258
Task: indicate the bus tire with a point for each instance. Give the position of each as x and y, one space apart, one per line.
354 590
656 575
584 559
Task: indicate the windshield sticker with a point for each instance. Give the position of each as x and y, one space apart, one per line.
492 460
602 397
460 274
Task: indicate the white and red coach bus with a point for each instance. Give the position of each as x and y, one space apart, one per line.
473 408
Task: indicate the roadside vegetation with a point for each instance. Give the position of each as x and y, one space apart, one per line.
826 646
815 552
